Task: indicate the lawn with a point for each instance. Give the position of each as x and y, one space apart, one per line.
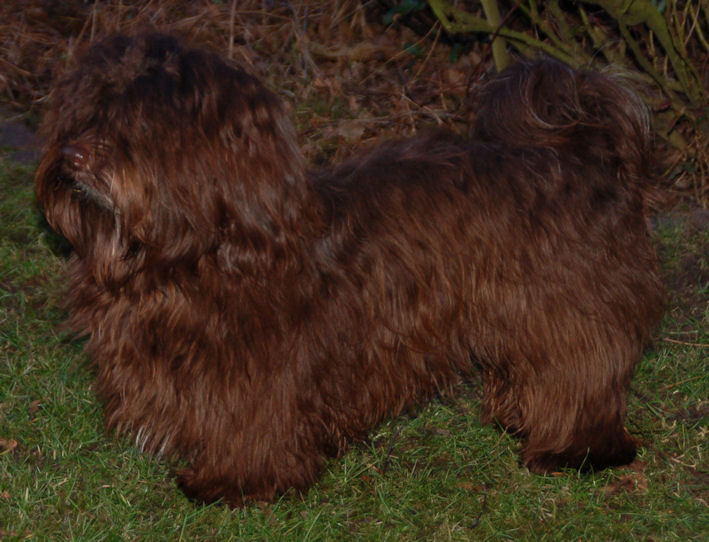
438 475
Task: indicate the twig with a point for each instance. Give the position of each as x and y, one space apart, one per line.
644 12
483 508
685 343
458 21
397 56
394 436
695 23
437 25
680 382
499 46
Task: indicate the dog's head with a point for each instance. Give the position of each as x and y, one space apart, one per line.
156 153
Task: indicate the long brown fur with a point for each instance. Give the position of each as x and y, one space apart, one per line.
254 318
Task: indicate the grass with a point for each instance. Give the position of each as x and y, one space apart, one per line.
437 476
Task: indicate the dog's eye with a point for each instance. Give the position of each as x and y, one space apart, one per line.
77 189
66 179
71 181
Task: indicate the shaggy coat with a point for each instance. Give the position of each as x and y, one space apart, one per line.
253 317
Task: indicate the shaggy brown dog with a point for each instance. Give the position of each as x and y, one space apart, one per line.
254 318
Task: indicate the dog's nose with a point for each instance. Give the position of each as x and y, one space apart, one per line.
76 155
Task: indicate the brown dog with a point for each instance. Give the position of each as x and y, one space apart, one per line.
254 318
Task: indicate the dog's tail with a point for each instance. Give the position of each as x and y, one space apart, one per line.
590 115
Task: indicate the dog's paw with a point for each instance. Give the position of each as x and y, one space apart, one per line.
203 490
610 453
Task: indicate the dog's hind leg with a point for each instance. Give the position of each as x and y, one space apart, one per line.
562 394
572 412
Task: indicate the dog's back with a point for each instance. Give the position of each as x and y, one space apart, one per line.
526 247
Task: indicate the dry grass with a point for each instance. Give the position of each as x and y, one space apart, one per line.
350 77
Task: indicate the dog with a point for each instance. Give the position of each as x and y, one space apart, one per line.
252 317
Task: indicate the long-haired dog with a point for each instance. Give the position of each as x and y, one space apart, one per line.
253 317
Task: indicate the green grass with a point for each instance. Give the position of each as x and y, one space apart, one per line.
436 476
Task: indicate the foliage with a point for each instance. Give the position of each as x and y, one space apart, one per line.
355 73
662 44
